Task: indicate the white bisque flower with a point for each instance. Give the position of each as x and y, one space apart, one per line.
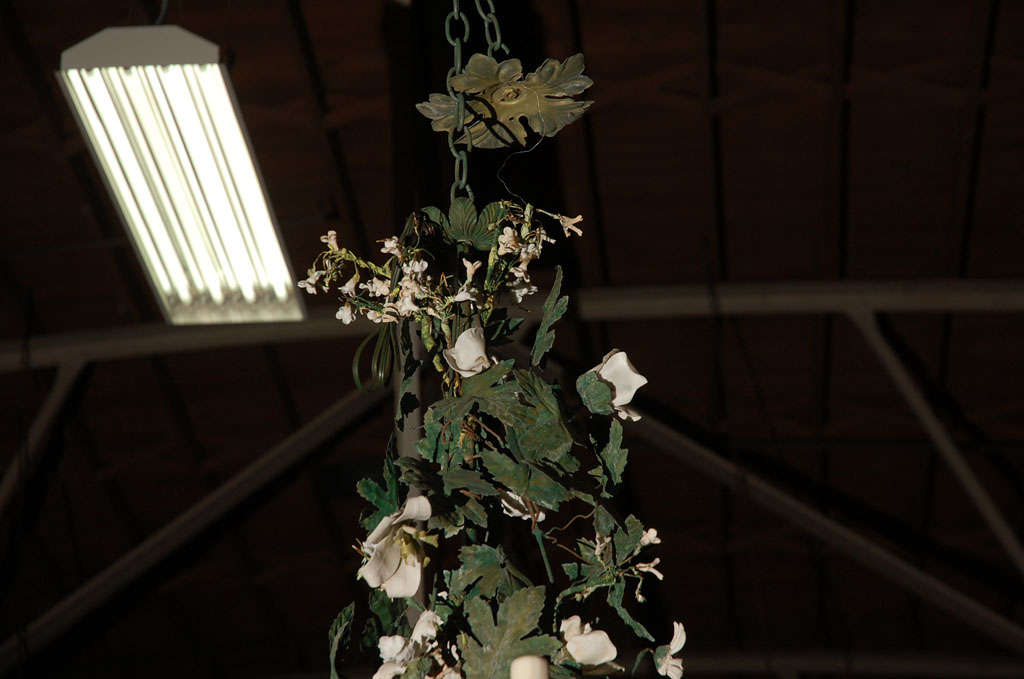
507 241
406 305
520 273
512 505
569 225
331 239
466 294
389 670
395 555
530 252
345 313
617 370
396 649
411 286
522 289
587 646
651 568
415 268
376 287
471 267
468 357
385 316
391 247
600 543
309 285
349 289
397 652
667 665
650 537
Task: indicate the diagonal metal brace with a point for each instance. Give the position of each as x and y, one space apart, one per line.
869 553
24 459
868 324
108 583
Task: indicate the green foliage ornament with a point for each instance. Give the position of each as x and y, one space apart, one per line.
504 457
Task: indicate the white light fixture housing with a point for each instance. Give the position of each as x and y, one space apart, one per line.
161 119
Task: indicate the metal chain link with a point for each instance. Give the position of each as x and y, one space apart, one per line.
492 31
460 155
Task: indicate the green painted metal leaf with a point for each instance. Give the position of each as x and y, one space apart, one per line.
626 541
595 393
467 479
490 654
464 225
435 215
384 498
613 456
484 571
615 600
554 309
340 635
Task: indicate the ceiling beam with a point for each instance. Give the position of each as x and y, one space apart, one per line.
594 304
863 550
918 402
129 568
24 458
342 191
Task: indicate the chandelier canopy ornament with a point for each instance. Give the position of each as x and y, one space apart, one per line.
504 450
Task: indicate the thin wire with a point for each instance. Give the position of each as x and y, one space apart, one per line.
501 169
541 137
163 13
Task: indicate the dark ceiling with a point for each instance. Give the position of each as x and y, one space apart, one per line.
730 141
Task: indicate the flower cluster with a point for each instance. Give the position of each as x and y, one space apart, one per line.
398 652
501 442
403 288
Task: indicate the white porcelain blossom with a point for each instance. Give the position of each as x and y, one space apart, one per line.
331 239
468 357
406 305
391 247
376 287
397 652
667 665
395 556
345 313
617 370
309 285
466 294
651 568
384 316
522 289
650 537
569 225
507 241
349 289
415 268
512 505
471 267
587 646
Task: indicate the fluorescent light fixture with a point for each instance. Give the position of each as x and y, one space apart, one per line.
161 119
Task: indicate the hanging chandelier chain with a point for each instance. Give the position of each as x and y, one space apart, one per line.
492 30
461 157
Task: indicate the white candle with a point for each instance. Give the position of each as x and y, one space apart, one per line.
529 667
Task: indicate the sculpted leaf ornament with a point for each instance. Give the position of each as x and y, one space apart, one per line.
499 98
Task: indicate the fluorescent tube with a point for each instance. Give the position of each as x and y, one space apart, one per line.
159 115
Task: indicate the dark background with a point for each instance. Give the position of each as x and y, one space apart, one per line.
730 141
